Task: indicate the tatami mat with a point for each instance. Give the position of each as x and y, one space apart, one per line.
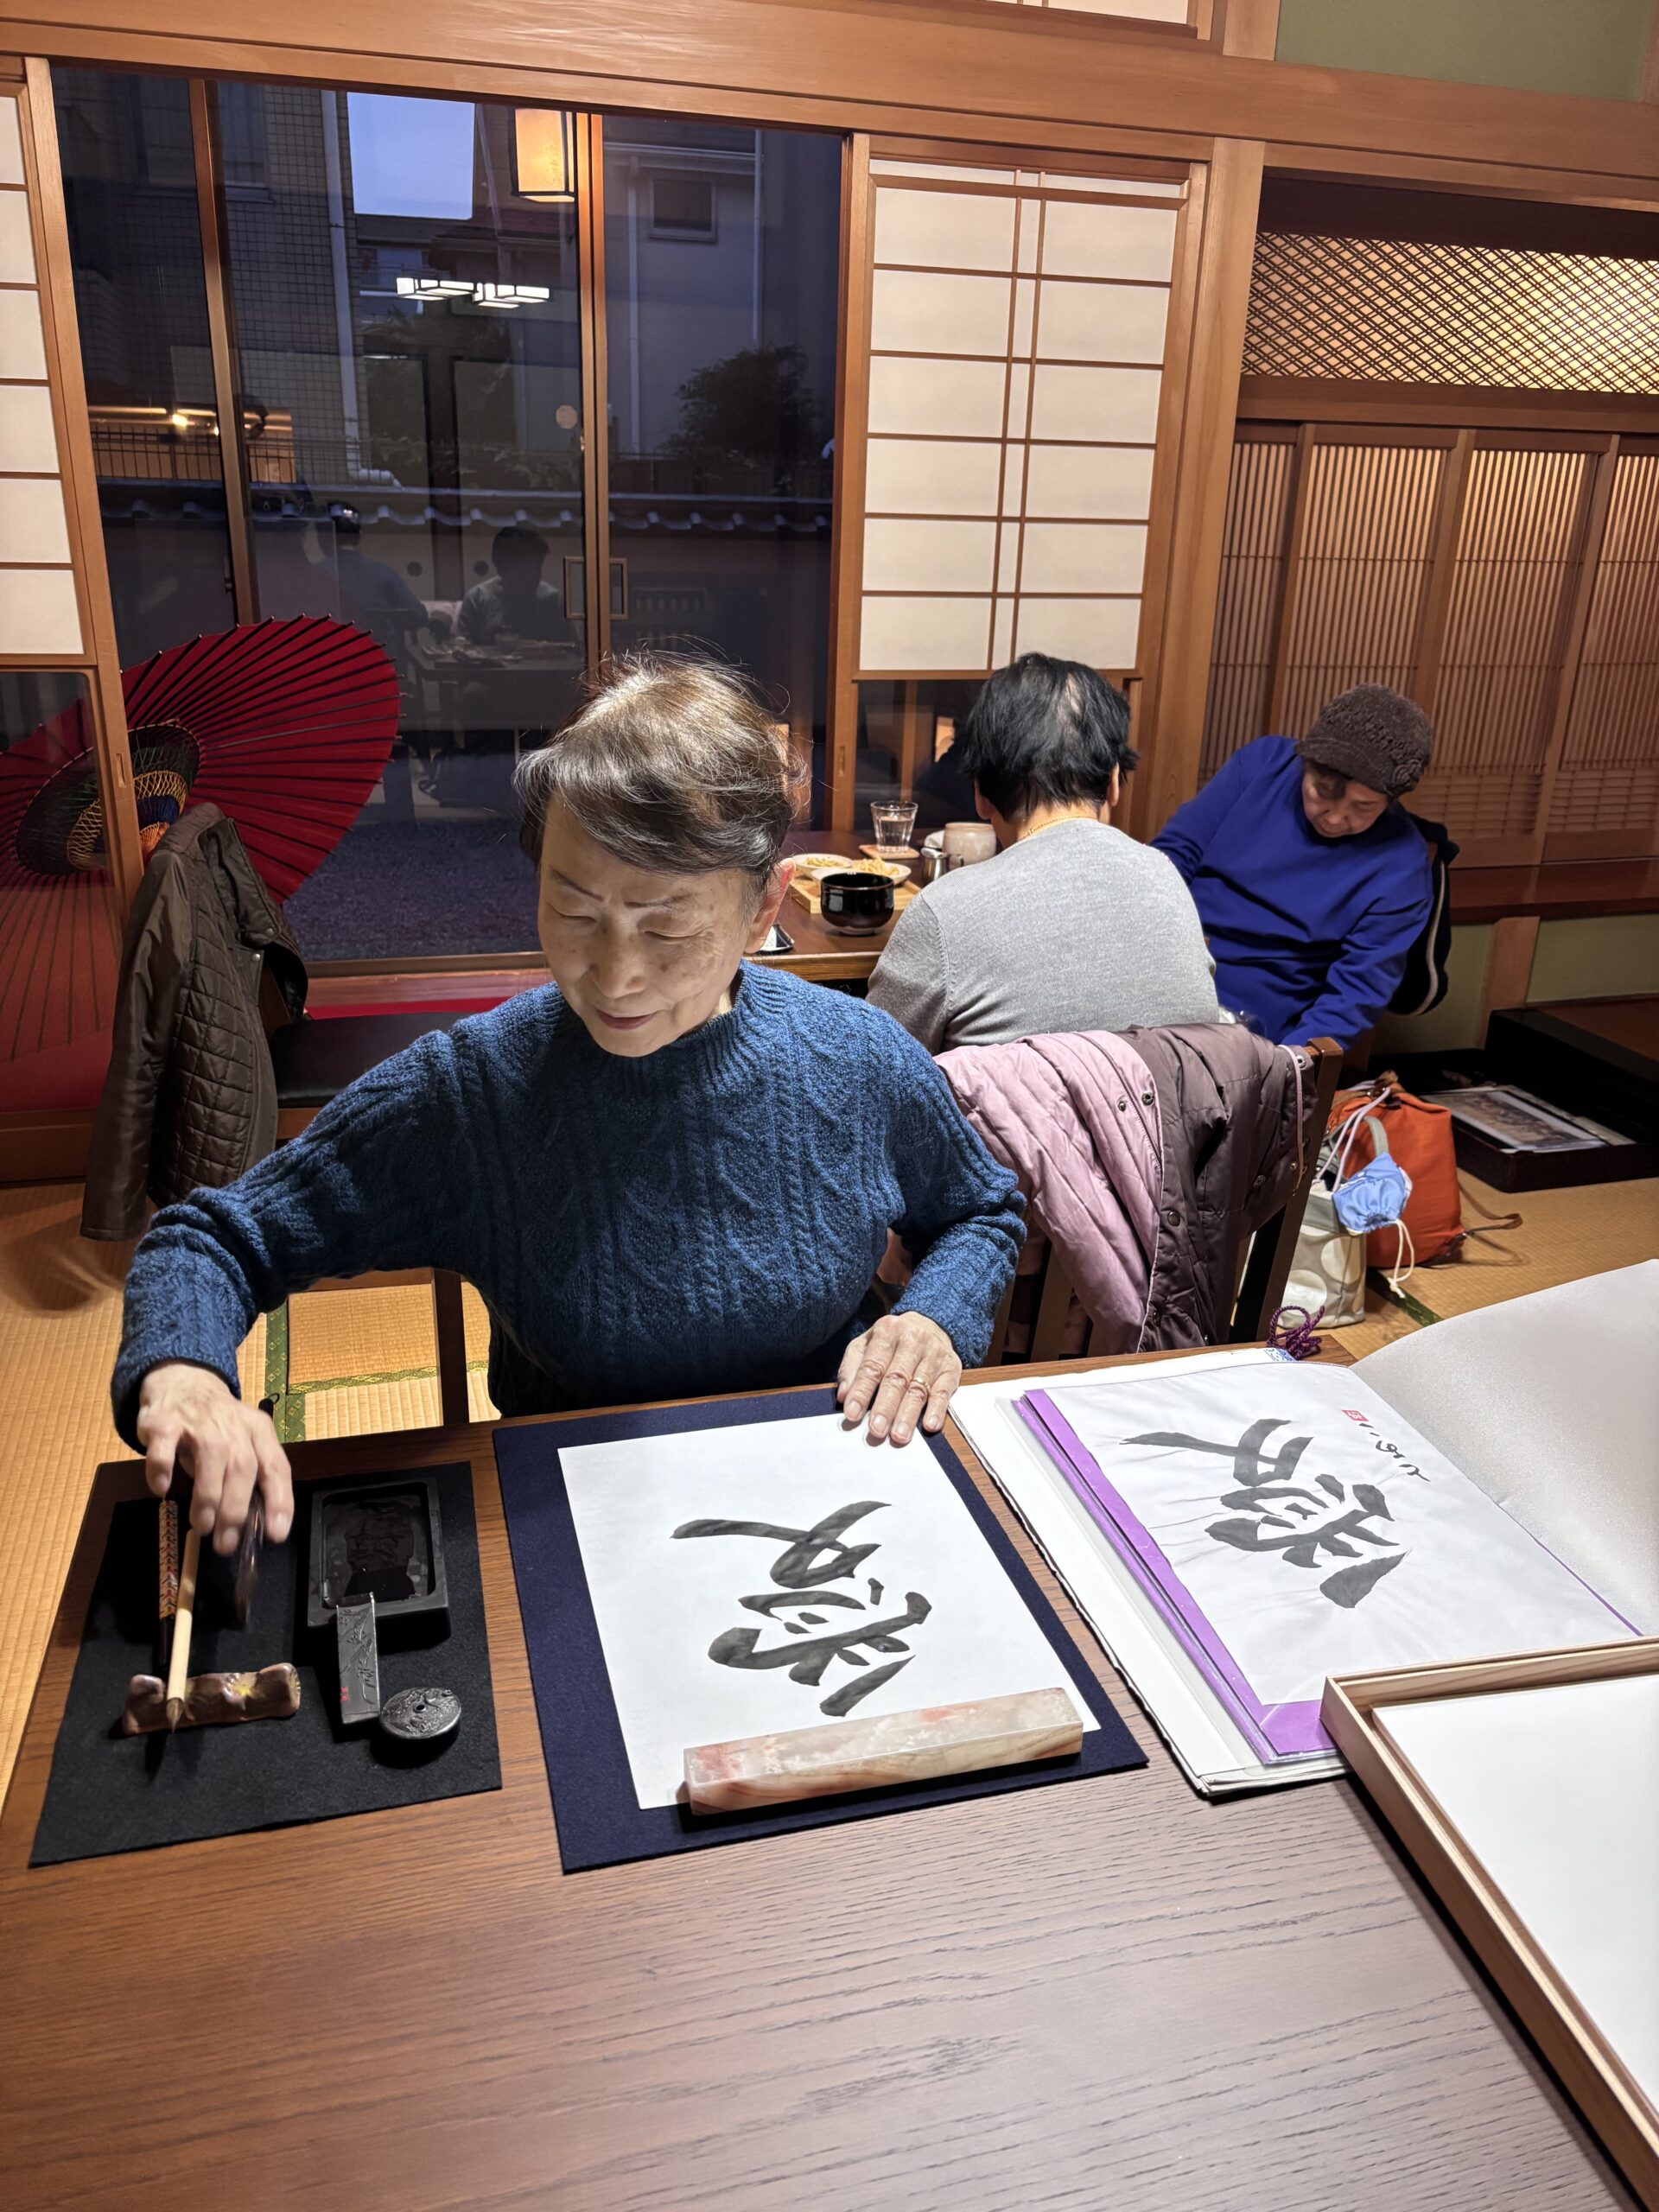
1561 1237
336 1335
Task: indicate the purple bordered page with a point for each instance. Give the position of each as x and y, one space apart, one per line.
1288 1524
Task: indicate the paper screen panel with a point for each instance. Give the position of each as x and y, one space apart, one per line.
40 613
1607 786
1512 583
1247 605
1017 330
1367 541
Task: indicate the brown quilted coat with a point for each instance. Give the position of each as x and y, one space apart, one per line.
190 1098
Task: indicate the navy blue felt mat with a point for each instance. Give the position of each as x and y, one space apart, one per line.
600 1822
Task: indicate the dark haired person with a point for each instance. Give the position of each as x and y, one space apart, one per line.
1313 881
516 602
668 1173
1072 926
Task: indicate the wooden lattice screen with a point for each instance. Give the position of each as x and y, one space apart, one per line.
1510 580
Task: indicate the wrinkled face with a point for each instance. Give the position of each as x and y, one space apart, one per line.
1336 807
641 957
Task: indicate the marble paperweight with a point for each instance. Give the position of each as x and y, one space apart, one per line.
754 1771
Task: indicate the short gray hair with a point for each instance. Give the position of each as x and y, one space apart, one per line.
672 765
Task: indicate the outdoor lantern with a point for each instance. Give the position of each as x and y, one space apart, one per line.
545 156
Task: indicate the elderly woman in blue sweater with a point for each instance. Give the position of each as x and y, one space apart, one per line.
670 1172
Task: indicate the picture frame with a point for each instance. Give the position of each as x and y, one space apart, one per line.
1355 1711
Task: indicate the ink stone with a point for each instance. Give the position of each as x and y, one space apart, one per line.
382 1539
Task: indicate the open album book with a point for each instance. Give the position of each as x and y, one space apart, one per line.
1236 1527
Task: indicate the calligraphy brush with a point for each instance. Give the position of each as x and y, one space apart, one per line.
178 1673
168 1589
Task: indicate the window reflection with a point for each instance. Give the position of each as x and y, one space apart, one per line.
60 933
906 737
128 181
721 248
408 327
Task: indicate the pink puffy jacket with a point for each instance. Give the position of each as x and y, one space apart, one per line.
1076 1118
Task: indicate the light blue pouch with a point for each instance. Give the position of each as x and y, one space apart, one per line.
1376 1197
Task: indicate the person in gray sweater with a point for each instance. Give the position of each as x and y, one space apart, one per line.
1072 926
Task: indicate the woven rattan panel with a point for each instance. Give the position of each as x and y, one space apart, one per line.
1390 310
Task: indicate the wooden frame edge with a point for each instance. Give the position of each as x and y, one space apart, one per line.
1607 2096
67 382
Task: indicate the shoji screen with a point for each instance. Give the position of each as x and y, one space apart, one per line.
1366 536
1328 546
1605 800
1017 327
1510 580
39 611
1253 545
1499 684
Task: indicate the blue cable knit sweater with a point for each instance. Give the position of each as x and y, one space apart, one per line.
708 1218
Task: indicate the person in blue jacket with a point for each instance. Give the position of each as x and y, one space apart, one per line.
1312 881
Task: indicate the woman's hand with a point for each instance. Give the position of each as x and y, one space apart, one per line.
188 1418
904 1368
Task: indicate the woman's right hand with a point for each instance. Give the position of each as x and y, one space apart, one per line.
188 1418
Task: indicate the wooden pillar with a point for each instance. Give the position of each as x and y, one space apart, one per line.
847 538
1175 732
67 383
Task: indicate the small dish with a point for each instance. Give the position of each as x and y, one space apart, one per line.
818 865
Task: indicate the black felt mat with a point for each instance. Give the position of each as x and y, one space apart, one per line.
110 1792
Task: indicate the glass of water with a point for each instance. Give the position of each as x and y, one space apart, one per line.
894 823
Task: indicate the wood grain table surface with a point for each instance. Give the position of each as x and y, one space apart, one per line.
1100 1994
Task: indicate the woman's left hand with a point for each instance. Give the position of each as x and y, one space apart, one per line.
902 1370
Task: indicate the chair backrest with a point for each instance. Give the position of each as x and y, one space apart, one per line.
1267 1264
1039 1312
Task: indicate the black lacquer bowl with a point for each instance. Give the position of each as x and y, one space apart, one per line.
855 902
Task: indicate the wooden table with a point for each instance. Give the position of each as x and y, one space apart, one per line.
824 955
1104 1994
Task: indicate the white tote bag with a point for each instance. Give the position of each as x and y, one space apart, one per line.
1329 1269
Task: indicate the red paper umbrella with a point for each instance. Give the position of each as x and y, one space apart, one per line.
285 726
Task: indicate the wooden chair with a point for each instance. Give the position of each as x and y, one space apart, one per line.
1262 1284
314 1061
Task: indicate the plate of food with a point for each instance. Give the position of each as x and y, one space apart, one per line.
816 864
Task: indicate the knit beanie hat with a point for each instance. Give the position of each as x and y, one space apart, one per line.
1373 736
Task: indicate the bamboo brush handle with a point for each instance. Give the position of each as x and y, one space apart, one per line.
178 1672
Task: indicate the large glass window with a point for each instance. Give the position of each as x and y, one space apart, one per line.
407 323
721 287
410 293
128 180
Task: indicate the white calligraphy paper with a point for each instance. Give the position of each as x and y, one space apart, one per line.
1363 1549
907 1589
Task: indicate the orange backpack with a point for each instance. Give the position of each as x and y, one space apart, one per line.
1420 1138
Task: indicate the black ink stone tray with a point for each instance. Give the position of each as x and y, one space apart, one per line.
382 1539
